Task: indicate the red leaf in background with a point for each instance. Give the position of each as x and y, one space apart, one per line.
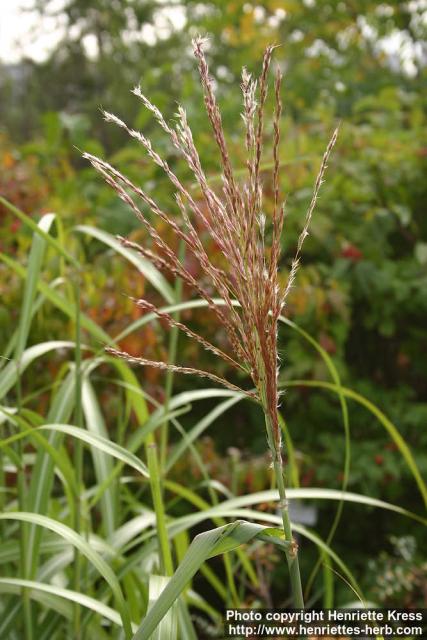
391 446
327 343
15 225
351 252
403 361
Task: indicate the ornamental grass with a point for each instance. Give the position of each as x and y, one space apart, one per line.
248 296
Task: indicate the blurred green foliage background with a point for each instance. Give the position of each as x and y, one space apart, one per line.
362 288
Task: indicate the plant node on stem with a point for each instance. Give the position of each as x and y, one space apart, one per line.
292 551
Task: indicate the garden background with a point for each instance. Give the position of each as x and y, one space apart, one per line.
360 294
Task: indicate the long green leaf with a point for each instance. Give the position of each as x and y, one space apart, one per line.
35 260
145 267
233 508
9 551
85 548
168 627
197 430
102 461
11 345
59 456
43 470
8 375
180 524
40 232
14 585
347 440
384 421
93 439
290 451
201 504
68 308
272 495
204 546
356 498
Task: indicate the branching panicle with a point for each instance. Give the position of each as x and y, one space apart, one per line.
235 220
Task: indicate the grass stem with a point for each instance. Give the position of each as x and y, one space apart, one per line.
78 458
172 351
22 502
292 553
166 563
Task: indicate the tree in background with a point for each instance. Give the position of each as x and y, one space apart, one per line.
334 51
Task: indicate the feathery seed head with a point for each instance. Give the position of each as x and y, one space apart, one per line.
251 297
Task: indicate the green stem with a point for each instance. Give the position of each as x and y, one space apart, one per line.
78 458
230 580
164 434
292 552
166 563
22 502
172 350
2 486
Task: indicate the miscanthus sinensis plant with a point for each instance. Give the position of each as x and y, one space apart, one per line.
248 286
